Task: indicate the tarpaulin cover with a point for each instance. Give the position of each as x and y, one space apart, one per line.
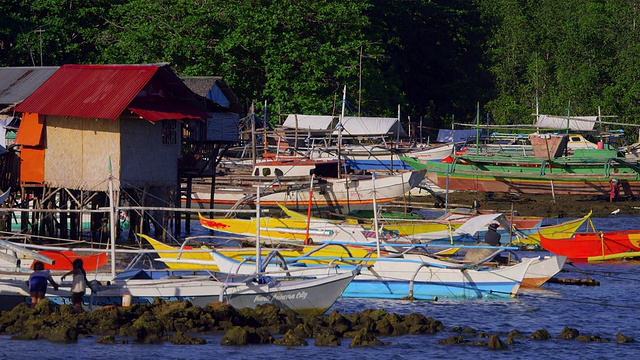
576 123
30 130
32 164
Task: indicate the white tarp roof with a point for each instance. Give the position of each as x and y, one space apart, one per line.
370 126
576 123
308 122
480 223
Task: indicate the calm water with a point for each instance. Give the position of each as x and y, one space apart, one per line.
604 310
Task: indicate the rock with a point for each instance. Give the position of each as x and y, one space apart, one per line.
235 336
415 319
541 334
44 307
13 321
64 333
260 336
327 339
224 315
496 344
451 340
106 320
383 327
339 323
569 333
621 339
181 338
149 329
375 315
291 339
304 331
591 338
513 334
365 338
107 339
469 331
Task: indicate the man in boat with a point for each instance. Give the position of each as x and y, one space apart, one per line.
614 189
491 238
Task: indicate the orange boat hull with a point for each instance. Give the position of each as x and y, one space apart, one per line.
63 260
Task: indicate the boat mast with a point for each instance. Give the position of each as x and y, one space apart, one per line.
112 222
258 249
375 213
360 82
477 127
306 238
344 100
398 127
264 129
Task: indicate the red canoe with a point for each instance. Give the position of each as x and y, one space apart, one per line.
583 246
64 260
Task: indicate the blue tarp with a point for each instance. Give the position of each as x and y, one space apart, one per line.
457 136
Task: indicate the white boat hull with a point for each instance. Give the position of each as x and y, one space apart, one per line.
412 276
354 193
306 297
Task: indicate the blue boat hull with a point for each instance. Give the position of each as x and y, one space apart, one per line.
427 291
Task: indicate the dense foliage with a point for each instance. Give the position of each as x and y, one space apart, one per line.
436 59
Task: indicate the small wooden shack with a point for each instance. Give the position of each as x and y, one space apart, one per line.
90 123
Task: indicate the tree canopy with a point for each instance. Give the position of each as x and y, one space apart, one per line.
436 59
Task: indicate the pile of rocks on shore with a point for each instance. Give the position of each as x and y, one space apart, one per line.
180 323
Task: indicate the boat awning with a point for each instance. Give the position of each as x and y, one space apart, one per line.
480 223
166 110
308 122
370 126
575 123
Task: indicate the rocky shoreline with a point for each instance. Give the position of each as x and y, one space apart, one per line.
181 323
543 205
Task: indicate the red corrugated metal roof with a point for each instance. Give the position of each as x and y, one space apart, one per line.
165 110
89 91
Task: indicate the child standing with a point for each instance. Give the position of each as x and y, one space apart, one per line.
38 283
79 283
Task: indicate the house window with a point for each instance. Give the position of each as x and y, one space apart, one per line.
169 132
266 172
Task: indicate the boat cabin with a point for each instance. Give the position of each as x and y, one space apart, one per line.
291 168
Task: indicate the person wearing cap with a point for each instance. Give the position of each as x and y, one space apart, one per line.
492 237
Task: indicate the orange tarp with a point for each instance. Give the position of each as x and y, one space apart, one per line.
32 164
30 130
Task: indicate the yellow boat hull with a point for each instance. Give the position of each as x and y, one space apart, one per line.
563 230
186 260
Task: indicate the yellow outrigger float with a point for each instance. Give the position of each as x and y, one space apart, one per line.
190 258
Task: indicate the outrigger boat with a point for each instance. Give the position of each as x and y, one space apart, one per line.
311 296
296 230
405 275
562 230
185 258
291 180
308 295
596 246
586 171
